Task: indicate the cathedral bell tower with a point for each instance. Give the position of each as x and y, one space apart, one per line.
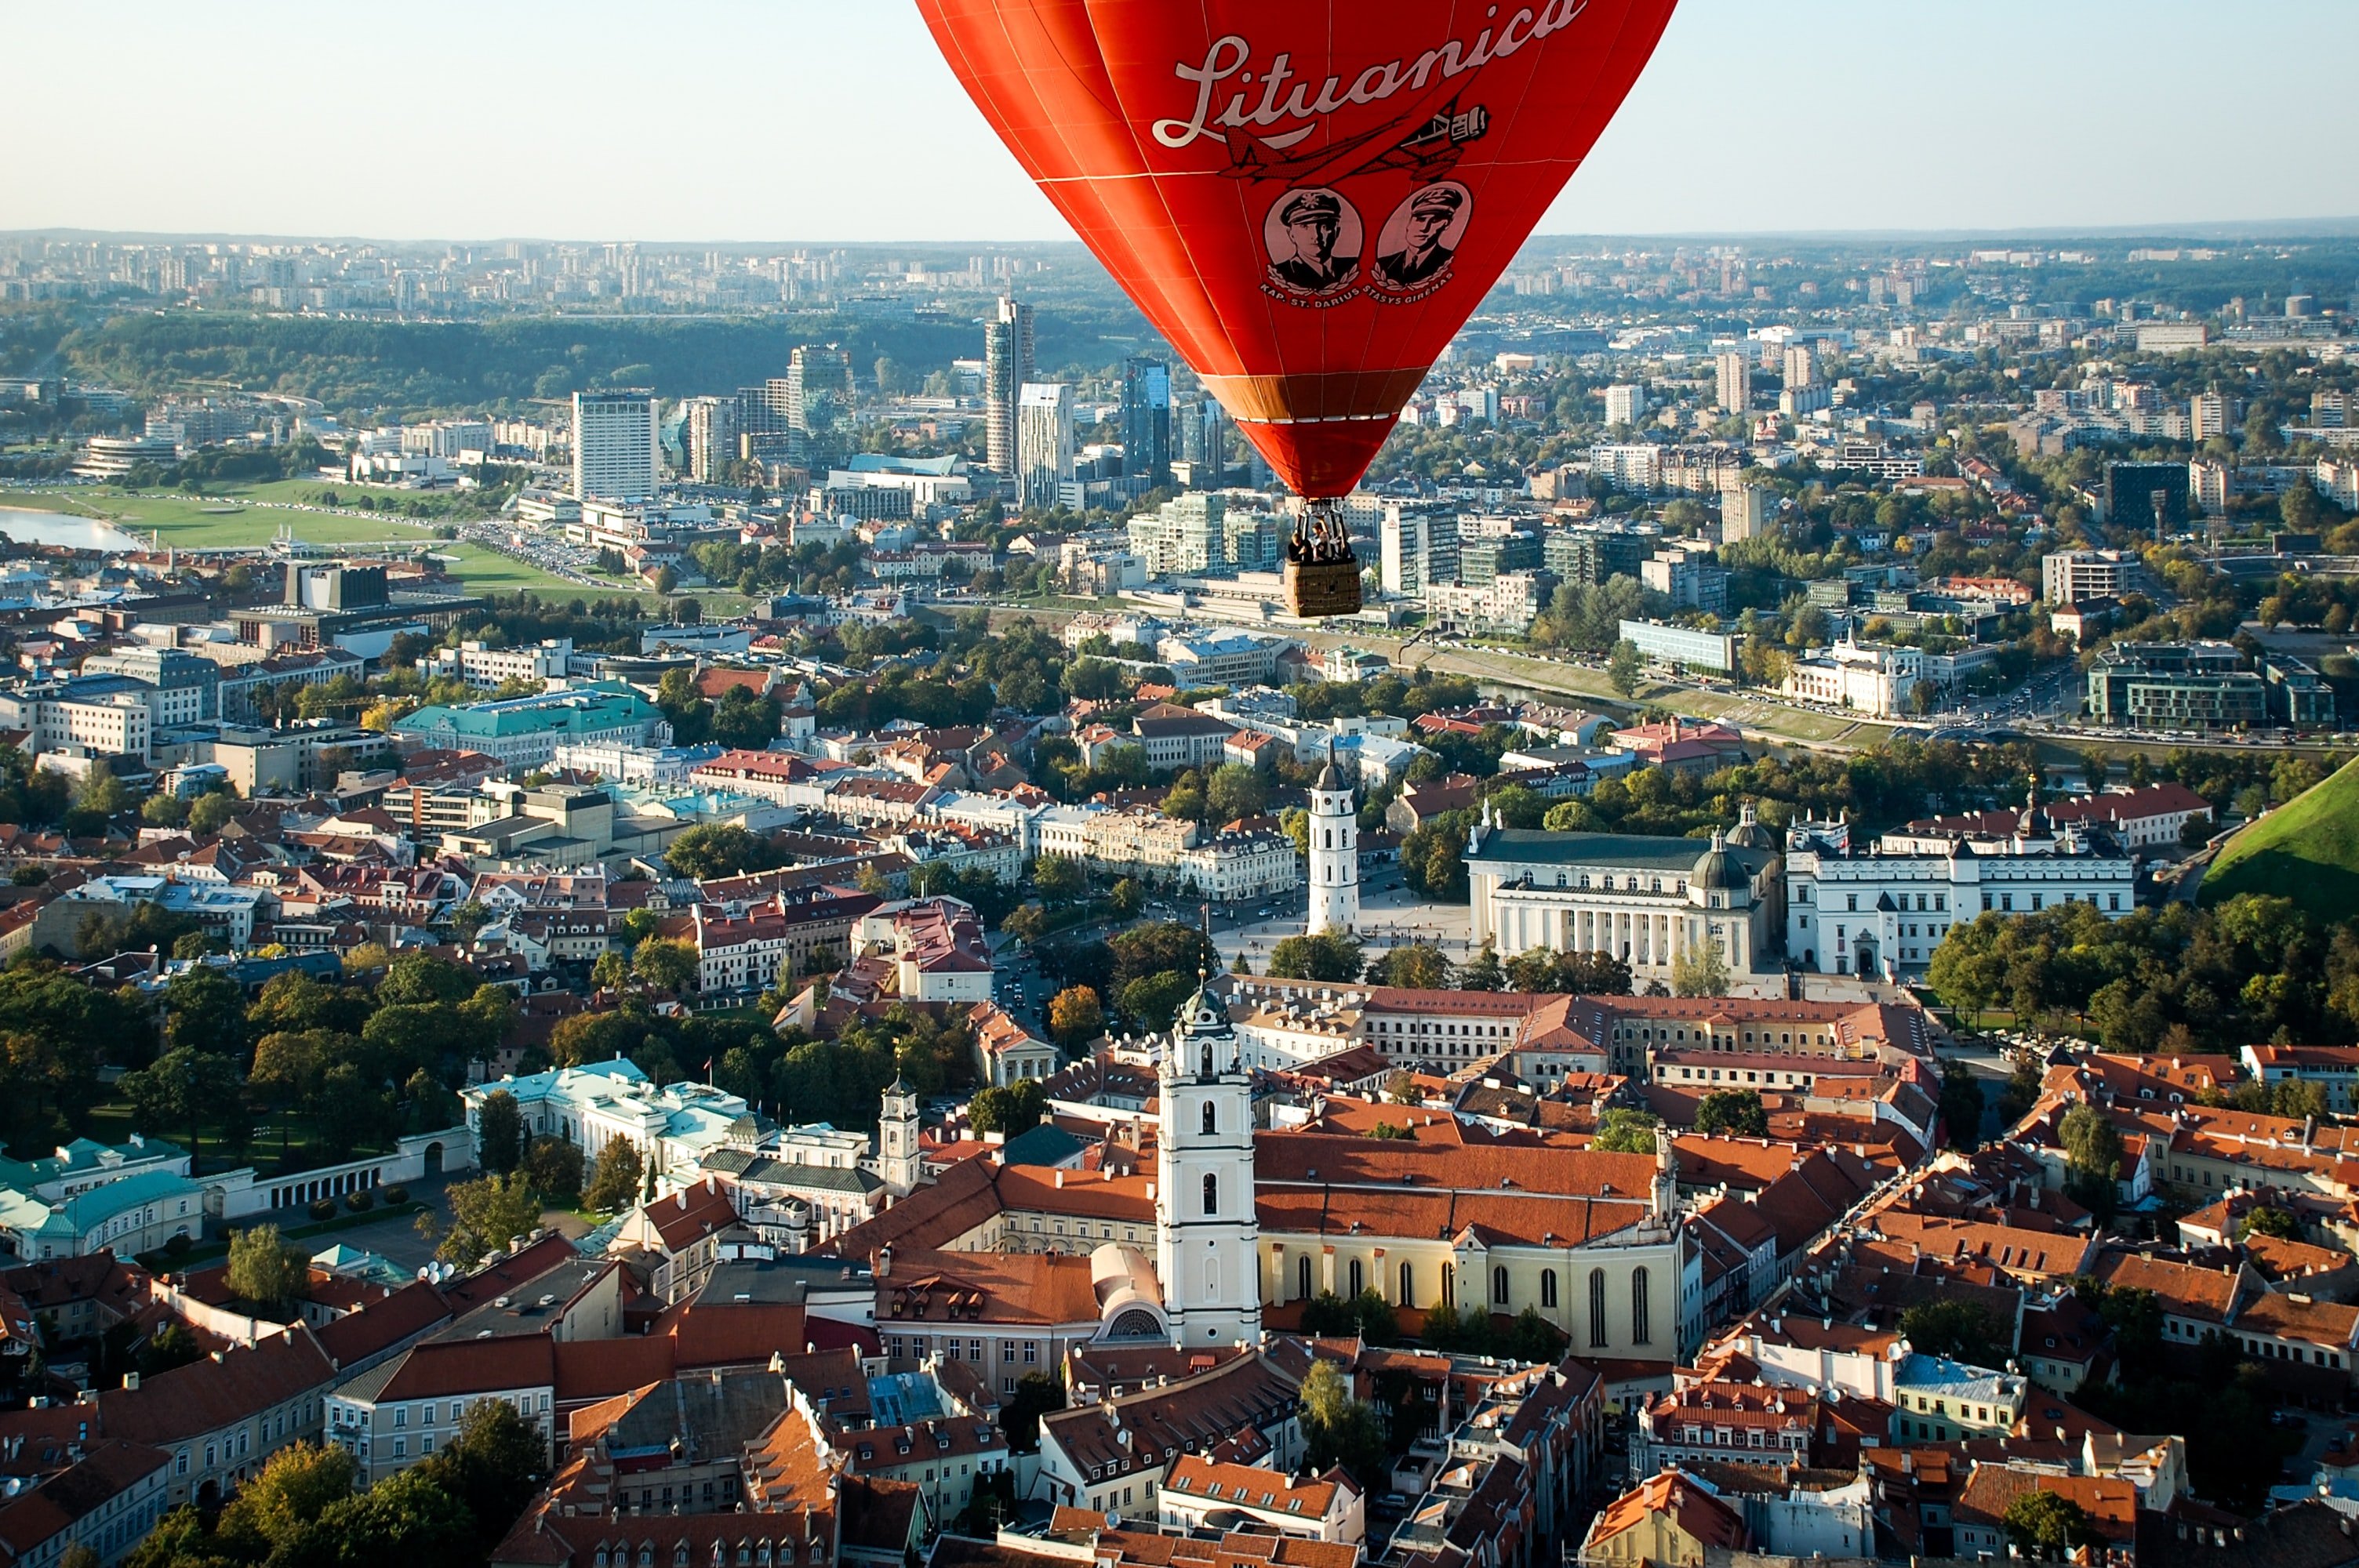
1334 852
1206 1233
899 1163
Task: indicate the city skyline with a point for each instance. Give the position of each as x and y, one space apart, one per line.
484 125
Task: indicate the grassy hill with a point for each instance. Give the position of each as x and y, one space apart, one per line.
2307 851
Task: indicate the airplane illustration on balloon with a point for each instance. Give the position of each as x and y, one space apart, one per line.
1433 150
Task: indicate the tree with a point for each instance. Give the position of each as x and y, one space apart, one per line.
664 966
1624 1131
186 1089
720 850
491 1468
1008 1109
1416 967
1700 971
1338 1429
1128 898
1057 879
2049 1525
298 1485
1737 1112
499 1133
1037 1394
164 811
1962 1106
1075 1017
486 1214
614 1182
1481 972
1962 1330
2270 1220
2092 1159
417 980
205 1011
553 1166
1622 667
209 813
1151 1001
745 719
1236 789
263 1269
1325 955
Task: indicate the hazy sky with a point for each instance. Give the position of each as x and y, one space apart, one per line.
805 120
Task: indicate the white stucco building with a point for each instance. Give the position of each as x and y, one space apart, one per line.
1647 901
1335 853
1882 911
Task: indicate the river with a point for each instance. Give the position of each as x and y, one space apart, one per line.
74 533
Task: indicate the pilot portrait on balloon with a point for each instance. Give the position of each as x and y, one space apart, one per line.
1313 237
1413 247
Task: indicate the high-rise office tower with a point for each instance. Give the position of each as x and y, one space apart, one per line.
1044 443
1203 443
1735 383
709 439
614 449
1146 420
819 387
1006 366
1417 547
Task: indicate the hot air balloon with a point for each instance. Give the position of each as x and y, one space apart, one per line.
1308 197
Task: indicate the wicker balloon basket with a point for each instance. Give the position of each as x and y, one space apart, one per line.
1316 588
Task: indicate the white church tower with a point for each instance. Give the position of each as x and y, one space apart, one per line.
899 1163
1334 852
1206 1233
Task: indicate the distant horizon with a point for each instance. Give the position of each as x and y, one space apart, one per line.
270 118
2256 231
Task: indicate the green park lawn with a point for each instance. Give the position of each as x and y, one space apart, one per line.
2307 851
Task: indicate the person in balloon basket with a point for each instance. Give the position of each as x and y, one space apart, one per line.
1422 254
1313 219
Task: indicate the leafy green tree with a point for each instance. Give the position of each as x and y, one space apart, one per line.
186 1087
665 966
1338 1429
499 1133
1624 1131
1482 972
1700 971
1415 968
2270 1220
614 1184
553 1166
417 979
1962 1106
720 850
1008 1109
492 1468
263 1269
486 1214
1961 1330
745 719
1128 898
1057 879
2092 1159
1736 1112
1236 789
1037 1394
205 1011
1622 667
1533 1339
2049 1526
1152 1001
209 813
1325 955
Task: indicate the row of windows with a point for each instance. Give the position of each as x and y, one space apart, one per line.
1502 1293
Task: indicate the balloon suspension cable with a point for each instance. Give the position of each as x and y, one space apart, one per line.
1318 537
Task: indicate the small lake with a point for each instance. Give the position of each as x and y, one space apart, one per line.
73 533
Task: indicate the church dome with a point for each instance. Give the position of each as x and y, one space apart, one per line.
1716 869
1749 834
1330 781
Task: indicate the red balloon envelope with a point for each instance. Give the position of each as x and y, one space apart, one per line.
1307 197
